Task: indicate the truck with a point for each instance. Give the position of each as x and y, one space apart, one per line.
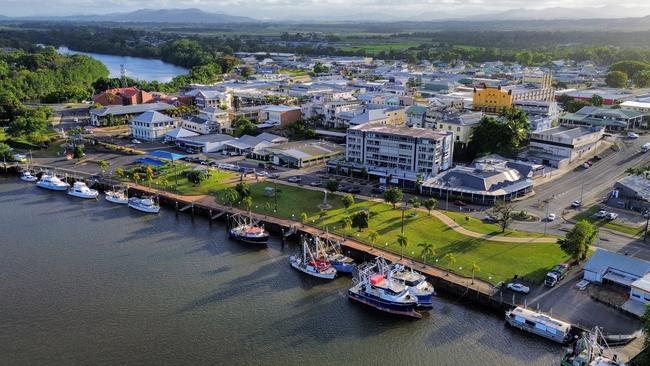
556 274
645 147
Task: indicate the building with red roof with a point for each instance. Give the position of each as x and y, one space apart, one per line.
122 96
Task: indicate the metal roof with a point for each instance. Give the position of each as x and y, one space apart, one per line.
603 260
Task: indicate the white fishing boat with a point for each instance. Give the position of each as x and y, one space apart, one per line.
416 282
26 176
81 190
52 182
308 263
247 230
115 196
591 350
538 323
145 204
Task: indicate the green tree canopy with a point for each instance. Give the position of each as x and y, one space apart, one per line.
579 239
393 196
616 79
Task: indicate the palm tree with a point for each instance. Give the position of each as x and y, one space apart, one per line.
430 204
248 203
346 222
451 260
103 164
373 236
231 196
403 242
428 250
475 268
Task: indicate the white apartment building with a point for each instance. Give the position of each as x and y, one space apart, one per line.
399 152
151 126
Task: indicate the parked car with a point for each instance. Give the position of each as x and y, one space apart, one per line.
294 179
344 188
489 219
612 216
601 214
586 166
576 204
632 135
597 157
460 203
262 174
518 287
377 191
205 162
136 141
550 217
316 183
355 190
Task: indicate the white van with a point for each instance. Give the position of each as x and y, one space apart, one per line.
645 147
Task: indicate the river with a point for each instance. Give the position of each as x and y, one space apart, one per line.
93 283
136 67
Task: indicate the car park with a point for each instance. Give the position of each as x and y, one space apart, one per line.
294 179
518 287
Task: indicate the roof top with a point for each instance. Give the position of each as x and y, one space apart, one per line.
602 260
118 110
213 137
152 117
280 108
402 131
180 132
639 184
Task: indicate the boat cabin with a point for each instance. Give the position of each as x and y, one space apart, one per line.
539 324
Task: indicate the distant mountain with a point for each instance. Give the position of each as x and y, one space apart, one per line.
558 13
185 16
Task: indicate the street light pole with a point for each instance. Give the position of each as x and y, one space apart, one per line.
546 219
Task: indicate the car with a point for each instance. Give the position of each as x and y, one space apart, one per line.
612 216
597 157
136 141
294 179
550 217
586 166
576 204
344 188
274 175
632 135
205 162
213 164
355 190
377 191
518 287
601 214
316 183
460 203
262 174
76 120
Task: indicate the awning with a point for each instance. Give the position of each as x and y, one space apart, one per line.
161 154
619 278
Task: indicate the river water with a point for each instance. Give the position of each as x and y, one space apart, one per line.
92 283
136 67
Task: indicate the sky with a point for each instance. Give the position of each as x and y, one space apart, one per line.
321 9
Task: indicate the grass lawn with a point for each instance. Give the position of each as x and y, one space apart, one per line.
612 225
54 149
474 224
497 260
168 177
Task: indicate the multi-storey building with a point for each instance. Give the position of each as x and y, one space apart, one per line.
151 126
449 119
398 154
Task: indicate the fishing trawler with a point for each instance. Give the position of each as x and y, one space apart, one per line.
374 289
416 282
81 190
247 231
145 204
310 263
331 249
588 351
52 182
115 196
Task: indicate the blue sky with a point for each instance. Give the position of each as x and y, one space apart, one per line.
314 9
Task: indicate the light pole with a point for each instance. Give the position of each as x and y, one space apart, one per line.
546 219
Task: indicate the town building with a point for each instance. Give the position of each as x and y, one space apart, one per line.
541 114
559 146
108 115
397 154
641 107
253 146
122 96
176 133
204 143
210 120
151 126
461 123
280 115
532 87
610 119
300 154
611 96
211 98
631 193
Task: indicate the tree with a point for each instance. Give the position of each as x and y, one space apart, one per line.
245 72
475 268
332 185
616 79
403 242
393 196
360 219
414 202
304 217
346 222
243 189
502 212
5 151
78 152
502 136
642 79
196 177
427 251
630 68
103 164
149 174
136 177
430 204
247 202
348 200
319 68
373 236
450 258
578 240
243 127
575 105
120 172
596 100
231 196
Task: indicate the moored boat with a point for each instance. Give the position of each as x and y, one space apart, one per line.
538 323
331 250
144 204
342 263
52 182
416 282
81 190
118 197
588 351
308 263
26 176
376 290
247 231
